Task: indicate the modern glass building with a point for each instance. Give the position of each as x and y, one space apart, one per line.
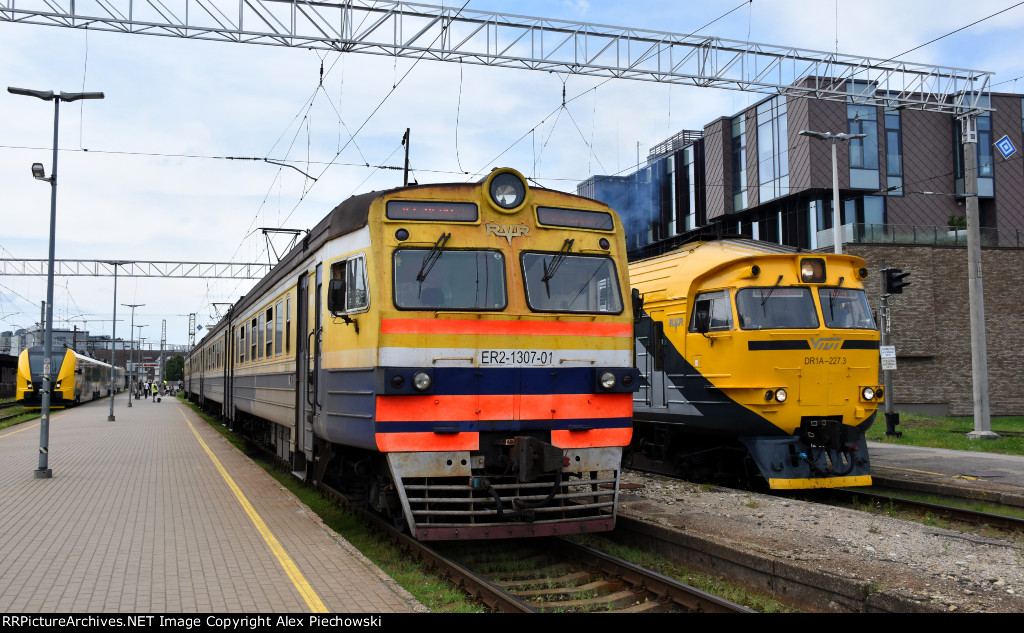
754 174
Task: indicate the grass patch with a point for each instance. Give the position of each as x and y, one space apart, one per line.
920 430
19 415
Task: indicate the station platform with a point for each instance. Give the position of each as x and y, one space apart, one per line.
155 512
969 474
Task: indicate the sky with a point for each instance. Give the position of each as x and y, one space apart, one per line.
145 173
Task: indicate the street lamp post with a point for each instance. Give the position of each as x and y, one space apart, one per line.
131 349
113 349
142 347
44 471
138 376
836 233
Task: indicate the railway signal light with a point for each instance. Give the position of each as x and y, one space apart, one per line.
894 280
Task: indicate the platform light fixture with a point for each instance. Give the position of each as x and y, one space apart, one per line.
44 471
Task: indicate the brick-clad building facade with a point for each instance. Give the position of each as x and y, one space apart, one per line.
931 326
901 202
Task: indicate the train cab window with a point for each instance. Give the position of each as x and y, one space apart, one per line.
776 308
347 290
558 282
711 311
435 279
845 308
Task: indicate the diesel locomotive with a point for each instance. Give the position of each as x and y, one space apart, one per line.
759 365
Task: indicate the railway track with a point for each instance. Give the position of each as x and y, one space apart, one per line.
548 575
558 575
949 512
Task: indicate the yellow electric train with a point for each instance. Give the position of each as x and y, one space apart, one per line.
457 356
76 378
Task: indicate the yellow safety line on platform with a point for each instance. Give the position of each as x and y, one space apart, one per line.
290 567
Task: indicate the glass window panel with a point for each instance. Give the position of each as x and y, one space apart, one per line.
456 280
288 324
893 154
720 311
260 345
874 210
356 295
775 308
575 283
864 178
279 329
845 308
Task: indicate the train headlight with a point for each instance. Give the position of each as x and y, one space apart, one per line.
506 190
868 393
781 395
607 381
421 381
812 270
769 395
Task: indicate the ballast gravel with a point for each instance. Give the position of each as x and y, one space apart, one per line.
943 569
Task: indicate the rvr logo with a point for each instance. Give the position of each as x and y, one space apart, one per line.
826 343
506 231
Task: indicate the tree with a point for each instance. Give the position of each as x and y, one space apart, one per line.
175 368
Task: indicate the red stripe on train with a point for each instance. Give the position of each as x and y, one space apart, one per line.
503 407
428 442
516 328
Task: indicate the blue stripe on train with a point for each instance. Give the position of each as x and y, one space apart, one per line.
457 381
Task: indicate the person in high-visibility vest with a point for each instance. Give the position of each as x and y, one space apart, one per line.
156 390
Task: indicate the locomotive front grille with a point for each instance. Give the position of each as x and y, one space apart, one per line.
439 502
467 505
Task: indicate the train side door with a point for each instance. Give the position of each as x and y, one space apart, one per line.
302 408
307 356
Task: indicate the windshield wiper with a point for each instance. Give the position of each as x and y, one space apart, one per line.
832 299
556 261
432 257
770 291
